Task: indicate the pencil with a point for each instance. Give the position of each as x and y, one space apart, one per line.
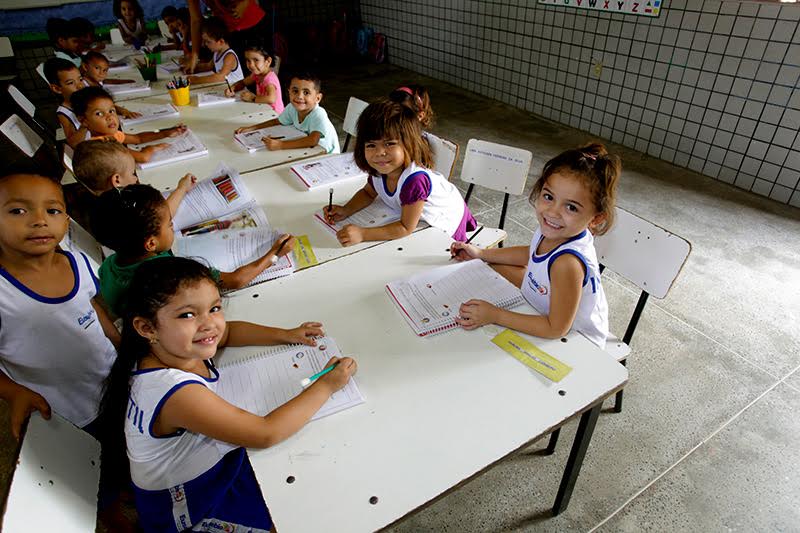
330 200
307 381
275 257
229 84
474 235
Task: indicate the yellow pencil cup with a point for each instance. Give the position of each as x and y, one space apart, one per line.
180 96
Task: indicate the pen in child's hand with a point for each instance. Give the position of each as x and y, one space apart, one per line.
277 253
229 84
330 200
453 255
307 381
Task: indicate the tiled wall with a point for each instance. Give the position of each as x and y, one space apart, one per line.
709 85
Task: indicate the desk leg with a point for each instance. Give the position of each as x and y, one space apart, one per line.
575 460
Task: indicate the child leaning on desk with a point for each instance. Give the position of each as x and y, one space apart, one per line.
558 273
183 439
136 222
391 148
305 114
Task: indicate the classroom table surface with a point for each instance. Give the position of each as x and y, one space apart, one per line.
438 410
214 125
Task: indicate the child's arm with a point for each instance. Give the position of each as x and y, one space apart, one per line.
228 64
146 154
22 401
269 97
195 408
566 282
245 274
150 136
409 218
175 198
125 113
309 141
514 255
249 334
239 86
365 196
254 127
73 136
105 321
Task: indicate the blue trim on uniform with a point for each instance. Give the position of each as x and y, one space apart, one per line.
91 273
44 299
383 180
539 258
209 365
576 254
160 404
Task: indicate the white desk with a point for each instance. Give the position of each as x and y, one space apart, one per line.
439 410
214 125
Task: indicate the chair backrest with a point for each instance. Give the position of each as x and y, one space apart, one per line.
77 240
164 29
445 154
116 36
67 157
354 109
57 473
496 166
23 137
647 255
276 67
40 71
5 48
22 100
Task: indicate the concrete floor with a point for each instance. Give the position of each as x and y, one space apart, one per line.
708 437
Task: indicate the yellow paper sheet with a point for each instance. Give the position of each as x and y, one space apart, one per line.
531 355
304 253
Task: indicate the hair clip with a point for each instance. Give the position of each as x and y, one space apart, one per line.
589 156
405 90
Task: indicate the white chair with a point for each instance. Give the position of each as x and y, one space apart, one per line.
646 255
18 132
30 109
276 67
7 57
164 29
354 109
78 240
40 71
116 36
54 486
497 167
445 154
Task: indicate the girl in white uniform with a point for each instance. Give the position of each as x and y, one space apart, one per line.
391 148
185 444
558 273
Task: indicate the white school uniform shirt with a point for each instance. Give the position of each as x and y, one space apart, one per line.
70 114
236 74
161 462
444 207
592 317
56 346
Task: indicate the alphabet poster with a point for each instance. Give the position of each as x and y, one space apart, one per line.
648 8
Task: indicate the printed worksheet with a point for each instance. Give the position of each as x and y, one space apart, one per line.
251 140
375 214
181 148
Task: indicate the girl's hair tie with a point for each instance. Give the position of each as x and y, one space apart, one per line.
406 90
590 156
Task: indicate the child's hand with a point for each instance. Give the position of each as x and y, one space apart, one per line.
247 96
335 213
283 245
464 252
186 183
126 113
245 129
339 376
230 93
304 334
22 404
176 130
350 235
475 313
272 144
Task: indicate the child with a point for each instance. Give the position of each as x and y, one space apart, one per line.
170 17
130 21
136 222
100 166
94 68
95 109
224 62
66 40
268 88
305 114
390 147
416 98
184 30
64 79
85 29
573 199
181 437
55 339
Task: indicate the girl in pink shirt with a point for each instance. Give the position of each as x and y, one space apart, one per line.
268 89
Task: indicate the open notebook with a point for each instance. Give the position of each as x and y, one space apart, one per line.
127 89
375 214
181 148
150 112
430 301
264 381
328 171
251 140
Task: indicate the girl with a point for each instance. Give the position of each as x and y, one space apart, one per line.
186 444
225 63
416 98
268 89
97 113
136 222
573 199
130 21
390 147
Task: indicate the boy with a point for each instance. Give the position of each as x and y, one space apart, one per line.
56 341
100 166
66 40
95 109
94 68
85 29
224 62
64 79
170 17
305 114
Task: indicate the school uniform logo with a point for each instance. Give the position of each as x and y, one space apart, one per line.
87 319
535 285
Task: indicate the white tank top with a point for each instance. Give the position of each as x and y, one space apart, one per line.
167 461
236 74
444 207
70 114
56 346
592 317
